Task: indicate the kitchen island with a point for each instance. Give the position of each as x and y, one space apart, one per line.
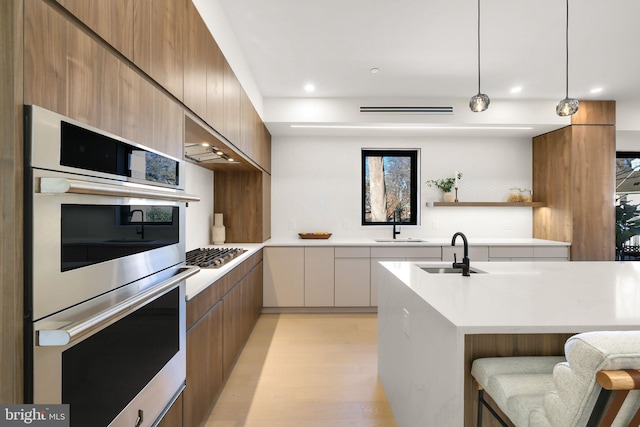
431 326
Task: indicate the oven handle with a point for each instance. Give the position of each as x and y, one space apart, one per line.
66 185
74 331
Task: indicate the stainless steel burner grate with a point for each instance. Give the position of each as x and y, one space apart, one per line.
212 257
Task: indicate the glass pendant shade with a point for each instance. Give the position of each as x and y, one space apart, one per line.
479 102
567 107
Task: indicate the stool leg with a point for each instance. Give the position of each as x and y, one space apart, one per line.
480 399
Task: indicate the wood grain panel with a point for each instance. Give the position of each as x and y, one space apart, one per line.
168 125
111 20
92 82
136 99
196 37
491 345
158 42
552 185
231 92
239 196
266 206
45 57
593 189
215 84
173 417
595 113
11 175
204 365
231 329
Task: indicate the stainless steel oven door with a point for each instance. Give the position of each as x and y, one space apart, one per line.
92 235
119 359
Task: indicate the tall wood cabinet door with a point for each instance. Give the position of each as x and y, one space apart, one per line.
110 19
195 61
93 78
215 84
353 282
204 366
283 277
248 141
232 334
318 277
158 42
45 57
231 92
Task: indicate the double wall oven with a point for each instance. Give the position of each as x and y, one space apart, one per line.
104 274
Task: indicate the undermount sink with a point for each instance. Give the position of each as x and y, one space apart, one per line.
399 240
449 270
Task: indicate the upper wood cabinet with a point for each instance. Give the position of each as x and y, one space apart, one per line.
231 92
72 73
196 43
158 41
215 84
110 19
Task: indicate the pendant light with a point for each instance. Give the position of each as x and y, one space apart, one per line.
568 106
479 102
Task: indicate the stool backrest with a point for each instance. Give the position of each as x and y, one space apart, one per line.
577 390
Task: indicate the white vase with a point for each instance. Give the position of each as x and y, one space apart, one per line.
447 197
218 233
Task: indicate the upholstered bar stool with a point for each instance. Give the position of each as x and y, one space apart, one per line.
597 385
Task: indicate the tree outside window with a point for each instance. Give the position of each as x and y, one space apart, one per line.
389 186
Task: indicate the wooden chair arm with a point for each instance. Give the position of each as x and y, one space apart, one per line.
623 379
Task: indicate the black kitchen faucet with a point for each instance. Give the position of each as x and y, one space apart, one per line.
464 265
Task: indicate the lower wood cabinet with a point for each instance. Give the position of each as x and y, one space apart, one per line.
173 418
219 322
204 365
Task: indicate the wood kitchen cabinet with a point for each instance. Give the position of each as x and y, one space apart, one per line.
158 42
110 19
204 365
219 322
173 417
196 42
231 93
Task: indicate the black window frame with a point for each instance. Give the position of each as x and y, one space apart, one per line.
413 154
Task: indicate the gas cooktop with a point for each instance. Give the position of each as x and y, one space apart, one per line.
212 257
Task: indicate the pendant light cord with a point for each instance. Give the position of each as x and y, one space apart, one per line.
567 52
479 46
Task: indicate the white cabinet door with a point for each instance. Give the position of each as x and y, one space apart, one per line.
283 277
352 277
318 277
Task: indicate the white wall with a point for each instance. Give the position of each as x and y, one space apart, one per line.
316 185
199 181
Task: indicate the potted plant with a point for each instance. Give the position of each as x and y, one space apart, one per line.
446 185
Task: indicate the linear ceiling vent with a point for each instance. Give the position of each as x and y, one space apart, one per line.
407 110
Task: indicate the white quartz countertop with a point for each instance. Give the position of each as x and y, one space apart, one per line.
530 297
436 241
207 276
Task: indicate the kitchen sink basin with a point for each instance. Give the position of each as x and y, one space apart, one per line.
399 240
449 270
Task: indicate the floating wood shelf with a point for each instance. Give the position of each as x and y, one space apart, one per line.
491 204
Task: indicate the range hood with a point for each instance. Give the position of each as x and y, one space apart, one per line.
205 153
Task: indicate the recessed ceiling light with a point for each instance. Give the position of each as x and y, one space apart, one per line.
516 89
309 87
596 90
374 70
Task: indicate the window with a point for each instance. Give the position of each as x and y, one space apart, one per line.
389 186
627 205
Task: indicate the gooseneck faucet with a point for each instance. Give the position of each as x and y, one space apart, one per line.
465 259
395 232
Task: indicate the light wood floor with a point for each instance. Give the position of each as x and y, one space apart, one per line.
306 370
